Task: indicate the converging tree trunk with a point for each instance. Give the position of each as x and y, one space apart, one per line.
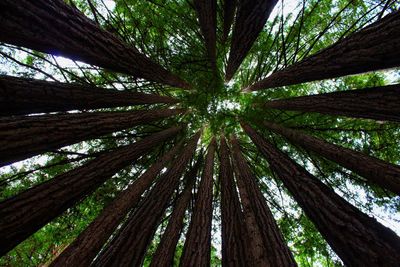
25 213
357 239
229 15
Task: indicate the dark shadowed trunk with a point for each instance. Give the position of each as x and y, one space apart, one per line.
357 239
229 15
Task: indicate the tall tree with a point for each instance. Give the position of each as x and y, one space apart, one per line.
24 214
229 15
357 239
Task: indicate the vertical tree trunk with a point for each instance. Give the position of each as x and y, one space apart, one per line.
54 27
274 249
129 246
229 14
357 239
197 248
26 96
375 47
24 214
22 137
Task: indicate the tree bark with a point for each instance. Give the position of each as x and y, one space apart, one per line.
20 96
375 47
197 247
229 15
54 27
129 246
26 136
357 239
24 214
377 103
251 17
273 250
377 171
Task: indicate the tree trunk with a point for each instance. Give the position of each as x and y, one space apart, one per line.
20 96
375 47
273 249
235 249
251 17
24 214
377 171
377 103
23 137
197 248
54 27
357 239
229 15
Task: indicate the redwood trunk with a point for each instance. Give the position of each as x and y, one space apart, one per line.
357 239
24 214
373 48
229 14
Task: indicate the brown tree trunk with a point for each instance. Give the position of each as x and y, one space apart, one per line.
274 251
26 96
251 17
24 214
229 14
54 27
235 250
23 137
129 246
377 171
377 103
197 248
357 239
373 48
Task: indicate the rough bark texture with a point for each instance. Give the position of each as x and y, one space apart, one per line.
129 246
235 250
24 214
23 137
377 103
56 28
377 171
274 251
357 239
229 14
26 96
373 48
251 17
197 248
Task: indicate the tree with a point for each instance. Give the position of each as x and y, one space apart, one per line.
229 15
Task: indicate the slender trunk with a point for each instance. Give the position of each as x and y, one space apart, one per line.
24 214
377 171
274 250
251 17
26 96
357 239
197 248
377 103
25 136
229 14
54 27
129 246
375 47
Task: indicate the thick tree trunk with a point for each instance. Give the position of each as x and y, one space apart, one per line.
251 17
377 171
357 239
274 251
373 48
25 136
26 96
24 214
129 246
197 248
377 103
235 249
54 27
229 15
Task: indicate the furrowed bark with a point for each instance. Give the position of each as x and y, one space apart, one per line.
375 47
54 27
22 137
251 17
357 239
24 214
20 96
229 14
197 247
